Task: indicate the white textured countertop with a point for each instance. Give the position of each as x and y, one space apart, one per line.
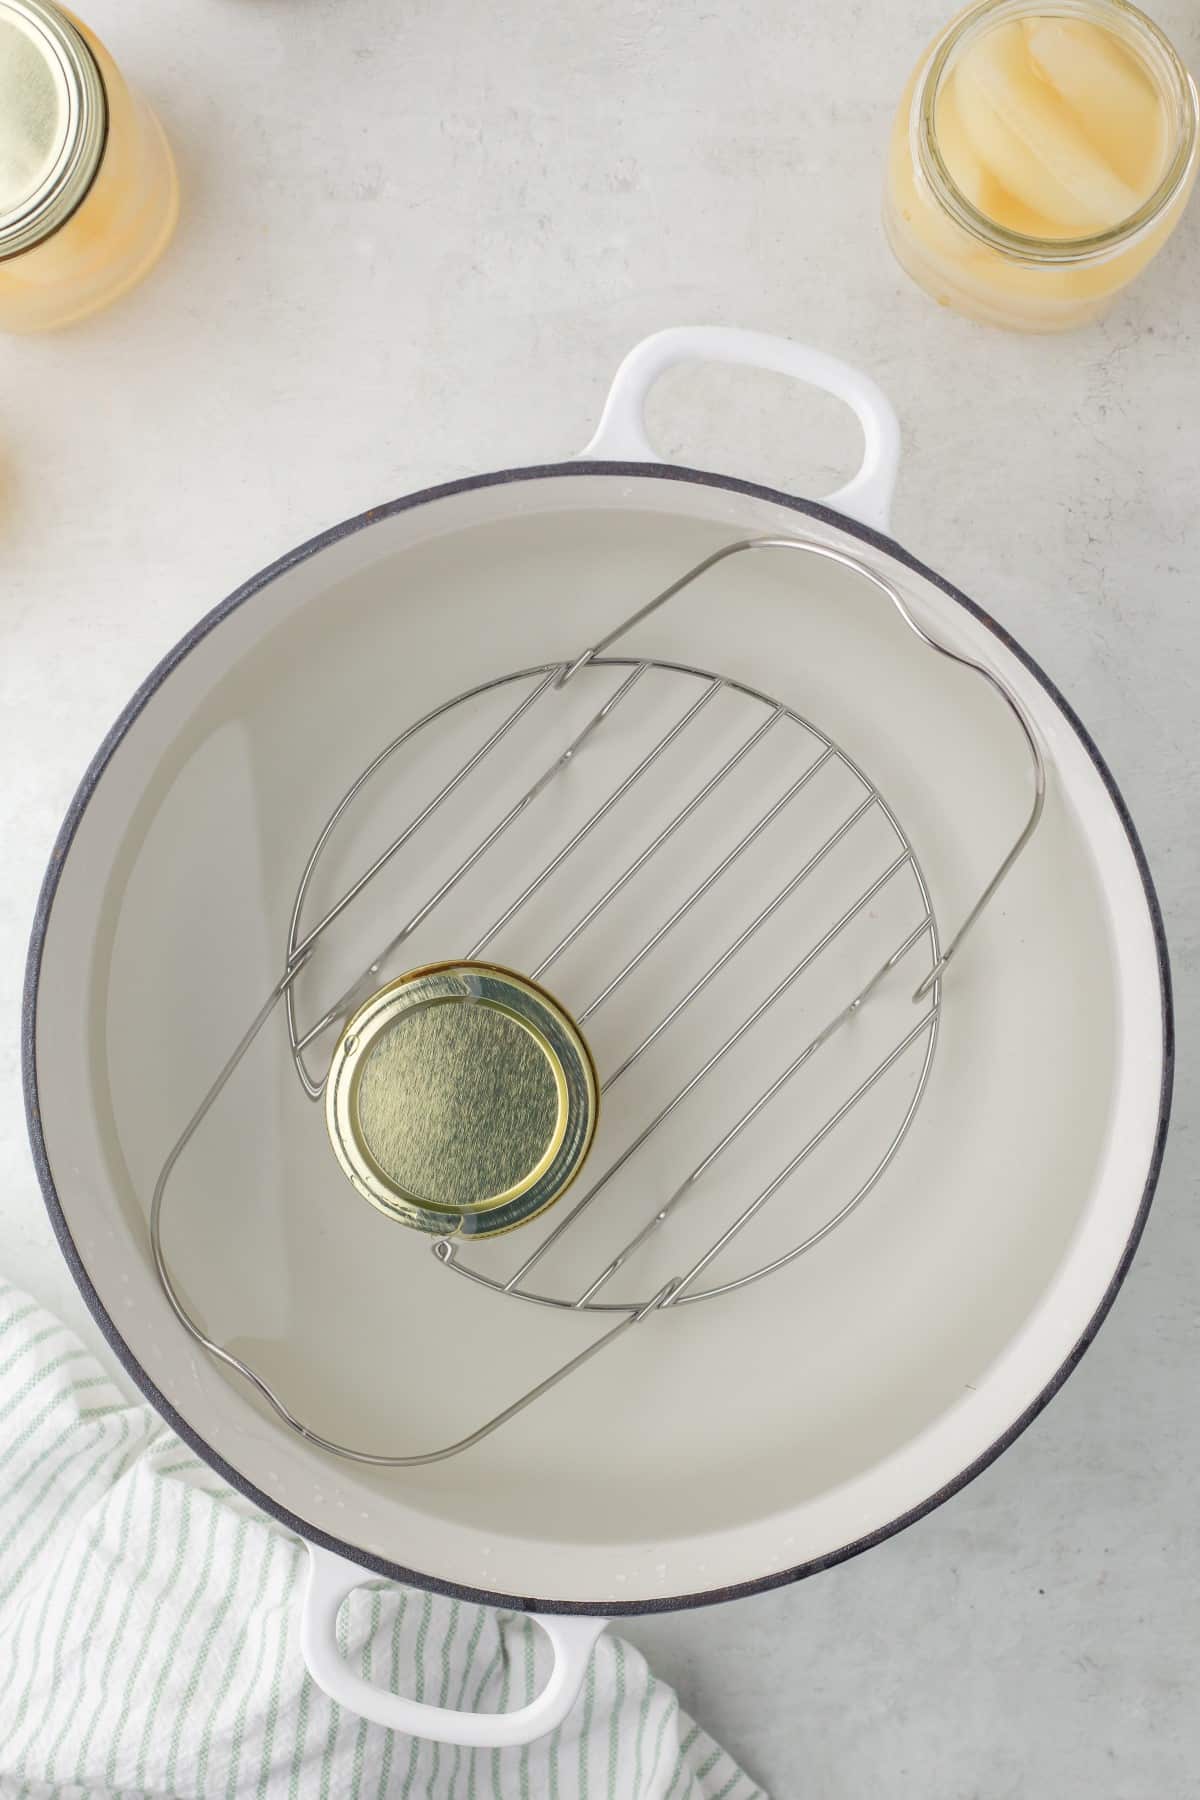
416 240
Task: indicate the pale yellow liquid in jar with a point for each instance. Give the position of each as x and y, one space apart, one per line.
1049 127
118 231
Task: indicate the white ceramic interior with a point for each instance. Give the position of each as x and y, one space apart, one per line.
728 1441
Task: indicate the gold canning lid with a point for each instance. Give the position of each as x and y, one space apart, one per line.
461 1098
53 120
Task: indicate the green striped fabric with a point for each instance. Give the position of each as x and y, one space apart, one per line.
149 1636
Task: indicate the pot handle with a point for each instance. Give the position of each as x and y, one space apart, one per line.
621 433
331 1579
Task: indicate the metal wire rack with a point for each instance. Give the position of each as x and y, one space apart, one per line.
917 949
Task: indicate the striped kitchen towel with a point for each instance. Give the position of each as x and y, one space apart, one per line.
148 1635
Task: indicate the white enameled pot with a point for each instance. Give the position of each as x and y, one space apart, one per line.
730 1446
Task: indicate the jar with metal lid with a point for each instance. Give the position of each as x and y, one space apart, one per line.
88 192
462 1099
1042 153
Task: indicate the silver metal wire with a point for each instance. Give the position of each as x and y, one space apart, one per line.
536 687
828 553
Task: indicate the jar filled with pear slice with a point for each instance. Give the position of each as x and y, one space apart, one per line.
88 192
1041 155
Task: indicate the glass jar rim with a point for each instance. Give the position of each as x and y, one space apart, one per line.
58 46
1155 52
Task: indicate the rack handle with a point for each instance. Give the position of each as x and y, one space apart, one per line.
621 433
331 1579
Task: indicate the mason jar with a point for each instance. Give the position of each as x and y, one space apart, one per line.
88 191
1042 153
